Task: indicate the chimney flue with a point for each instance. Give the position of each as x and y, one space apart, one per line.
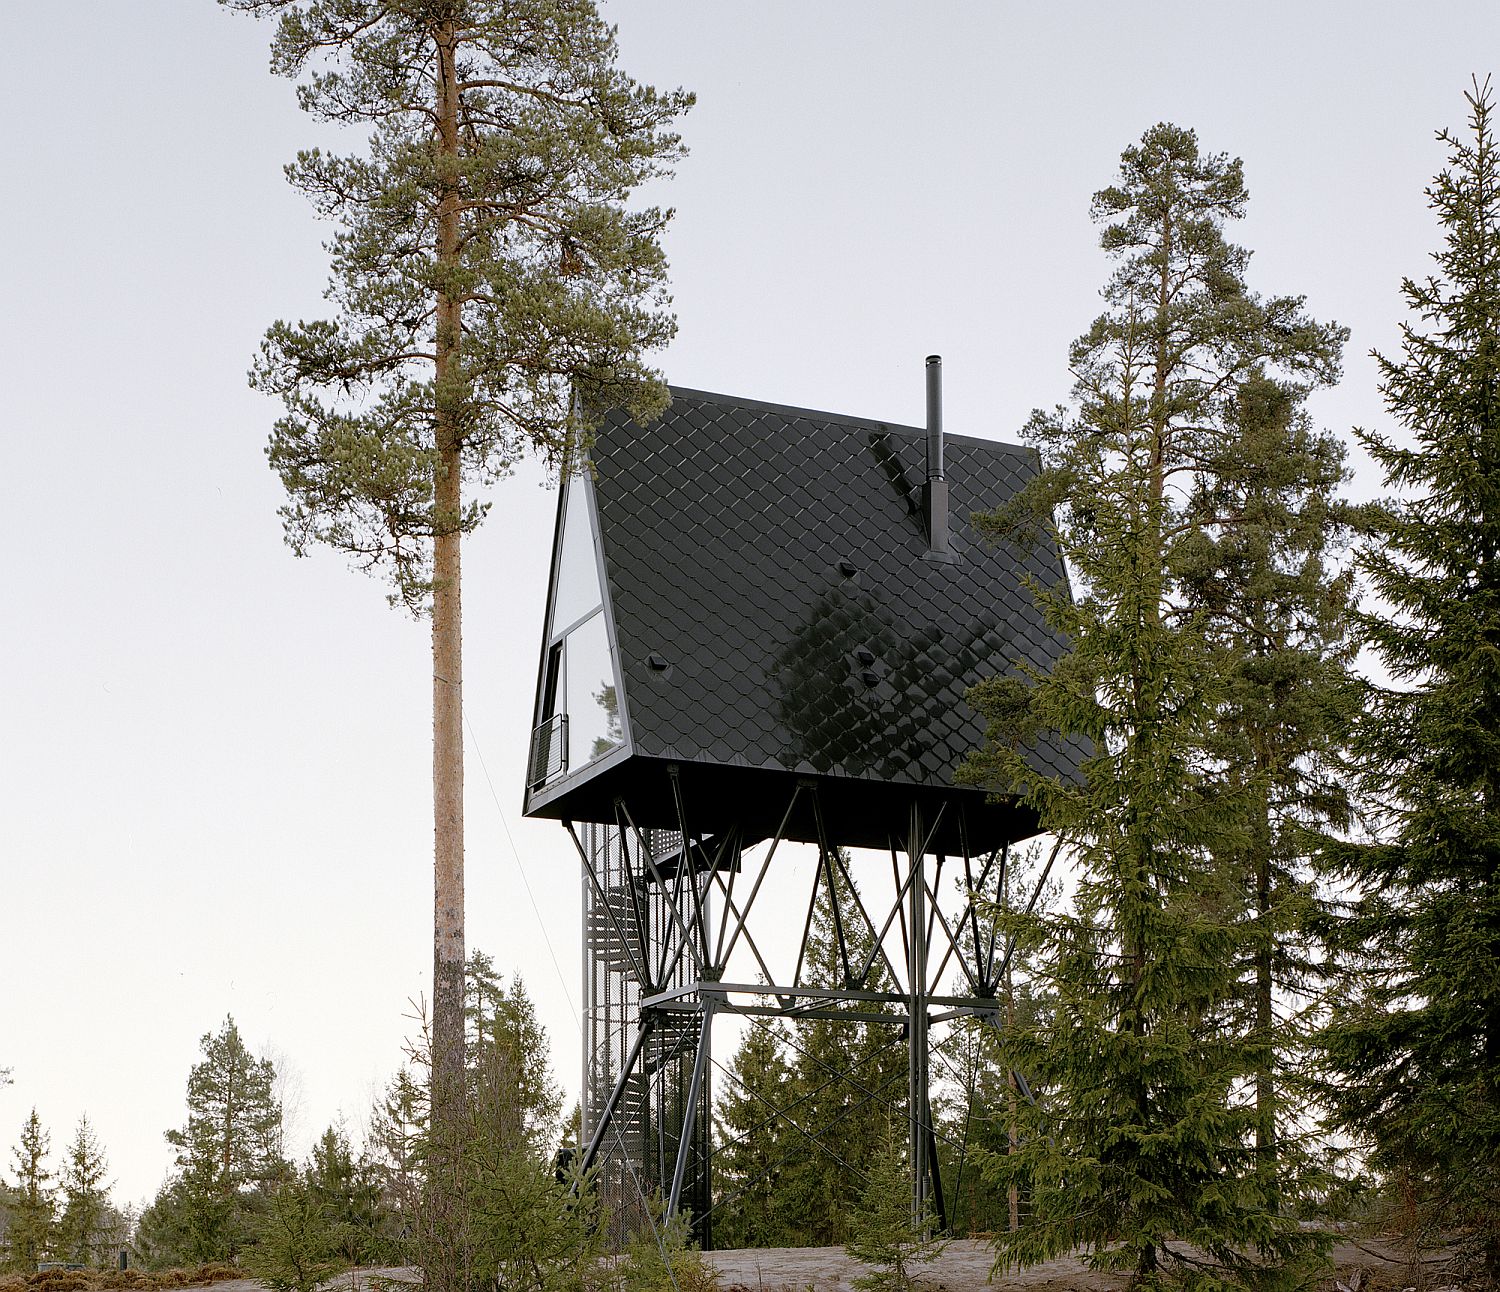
935 490
934 417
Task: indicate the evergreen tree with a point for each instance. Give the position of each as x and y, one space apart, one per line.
346 1191
162 1237
752 1143
511 1084
486 271
87 1222
847 1080
660 1257
529 1231
882 1231
522 1227
1262 572
295 1246
1143 1151
398 1128
511 1122
981 1112
33 1200
1415 1052
229 1150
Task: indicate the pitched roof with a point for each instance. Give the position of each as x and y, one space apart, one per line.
776 615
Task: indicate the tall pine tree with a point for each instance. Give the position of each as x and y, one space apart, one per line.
1415 1054
486 274
1143 1153
229 1151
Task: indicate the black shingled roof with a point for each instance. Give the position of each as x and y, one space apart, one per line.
765 554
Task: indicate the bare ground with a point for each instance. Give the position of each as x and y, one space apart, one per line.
965 1264
1365 1265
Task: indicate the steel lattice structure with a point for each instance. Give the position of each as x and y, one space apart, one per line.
661 936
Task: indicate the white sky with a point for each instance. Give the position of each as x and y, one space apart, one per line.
214 758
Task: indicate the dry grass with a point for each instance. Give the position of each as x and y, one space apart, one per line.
127 1280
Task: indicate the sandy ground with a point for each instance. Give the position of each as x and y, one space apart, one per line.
964 1266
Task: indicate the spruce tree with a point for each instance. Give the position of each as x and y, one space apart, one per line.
86 1223
1268 574
512 1089
492 291
398 1127
751 1142
1143 1153
847 1081
33 1199
515 1220
295 1248
346 1191
522 1227
1414 1053
882 1231
982 1110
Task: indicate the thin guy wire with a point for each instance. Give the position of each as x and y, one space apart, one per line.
521 870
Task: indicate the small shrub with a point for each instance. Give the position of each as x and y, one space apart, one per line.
663 1259
883 1234
293 1251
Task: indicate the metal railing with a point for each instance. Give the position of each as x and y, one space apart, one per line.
549 750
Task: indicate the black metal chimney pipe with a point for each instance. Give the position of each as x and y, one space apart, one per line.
935 490
934 417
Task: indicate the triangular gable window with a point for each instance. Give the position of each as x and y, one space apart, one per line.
580 709
578 590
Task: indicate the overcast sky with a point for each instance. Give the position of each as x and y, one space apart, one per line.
214 758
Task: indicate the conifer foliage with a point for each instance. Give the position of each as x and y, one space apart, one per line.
88 1221
883 1233
1144 1153
753 1148
489 284
1270 578
805 1108
229 1155
33 1202
1415 1055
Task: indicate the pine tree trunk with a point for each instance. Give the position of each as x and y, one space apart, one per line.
1264 1049
1012 1135
1153 593
445 1263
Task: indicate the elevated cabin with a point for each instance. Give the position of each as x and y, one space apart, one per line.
763 597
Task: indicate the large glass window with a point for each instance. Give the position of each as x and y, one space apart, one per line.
578 589
579 680
592 699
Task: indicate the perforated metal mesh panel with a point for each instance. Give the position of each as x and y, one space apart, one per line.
634 928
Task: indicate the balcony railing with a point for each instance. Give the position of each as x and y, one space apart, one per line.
549 751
